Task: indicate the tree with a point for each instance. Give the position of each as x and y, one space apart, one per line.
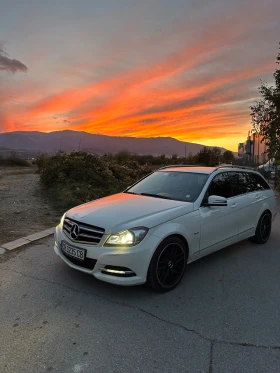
215 156
266 116
203 156
190 159
208 157
228 156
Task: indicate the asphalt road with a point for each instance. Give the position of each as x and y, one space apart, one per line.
223 318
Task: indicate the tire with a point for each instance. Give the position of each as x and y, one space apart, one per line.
168 265
263 229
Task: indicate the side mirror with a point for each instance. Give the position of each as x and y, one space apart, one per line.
216 201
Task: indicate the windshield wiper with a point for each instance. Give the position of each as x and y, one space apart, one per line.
130 192
154 195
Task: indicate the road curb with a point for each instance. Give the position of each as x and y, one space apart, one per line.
25 240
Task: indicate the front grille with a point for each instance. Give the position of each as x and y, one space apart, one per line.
83 233
87 263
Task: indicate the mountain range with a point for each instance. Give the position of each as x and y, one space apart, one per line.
41 142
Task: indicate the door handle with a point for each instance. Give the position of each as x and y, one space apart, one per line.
234 205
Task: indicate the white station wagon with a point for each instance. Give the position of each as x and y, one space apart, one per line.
170 218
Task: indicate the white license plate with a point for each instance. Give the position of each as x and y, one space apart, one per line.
73 251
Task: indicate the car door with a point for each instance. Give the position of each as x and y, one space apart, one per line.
243 192
257 192
219 224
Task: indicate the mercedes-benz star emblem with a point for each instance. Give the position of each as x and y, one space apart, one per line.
74 232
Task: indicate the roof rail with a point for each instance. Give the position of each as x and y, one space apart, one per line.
176 165
233 166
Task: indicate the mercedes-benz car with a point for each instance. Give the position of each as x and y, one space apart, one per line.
172 217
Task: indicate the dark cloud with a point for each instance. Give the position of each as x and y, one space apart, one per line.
60 120
151 120
180 104
10 64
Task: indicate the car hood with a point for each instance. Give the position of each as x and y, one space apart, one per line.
123 211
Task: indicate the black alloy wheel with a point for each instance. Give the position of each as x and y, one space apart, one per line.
263 229
168 265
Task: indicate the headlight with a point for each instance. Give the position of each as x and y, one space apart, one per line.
129 237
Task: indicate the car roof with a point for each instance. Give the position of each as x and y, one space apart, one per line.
196 169
204 170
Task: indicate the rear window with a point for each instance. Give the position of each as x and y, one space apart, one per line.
257 182
247 182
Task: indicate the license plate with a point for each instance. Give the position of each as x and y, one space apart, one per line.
73 251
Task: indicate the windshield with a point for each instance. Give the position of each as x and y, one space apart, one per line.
181 186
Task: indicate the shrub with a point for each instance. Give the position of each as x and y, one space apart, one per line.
80 167
78 177
13 161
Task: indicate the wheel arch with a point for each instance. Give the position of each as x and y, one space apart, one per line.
257 238
152 277
267 210
181 237
263 211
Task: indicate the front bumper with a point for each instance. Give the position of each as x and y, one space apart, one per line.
136 259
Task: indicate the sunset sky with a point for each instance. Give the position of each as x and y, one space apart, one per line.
188 69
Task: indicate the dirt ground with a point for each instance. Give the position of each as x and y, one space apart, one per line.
23 208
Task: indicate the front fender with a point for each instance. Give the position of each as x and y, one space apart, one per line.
187 226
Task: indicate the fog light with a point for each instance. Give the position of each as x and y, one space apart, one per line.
117 271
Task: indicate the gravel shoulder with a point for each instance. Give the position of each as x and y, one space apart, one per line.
23 208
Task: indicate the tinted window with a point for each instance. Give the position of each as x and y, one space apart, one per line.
182 186
252 186
257 182
240 184
245 182
220 186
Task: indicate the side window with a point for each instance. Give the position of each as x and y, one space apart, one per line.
220 186
257 181
240 183
251 183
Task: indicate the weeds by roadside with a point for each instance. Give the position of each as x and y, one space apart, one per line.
13 162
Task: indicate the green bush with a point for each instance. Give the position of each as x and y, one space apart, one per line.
78 177
13 162
77 167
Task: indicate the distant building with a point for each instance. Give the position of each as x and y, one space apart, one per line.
241 151
253 148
